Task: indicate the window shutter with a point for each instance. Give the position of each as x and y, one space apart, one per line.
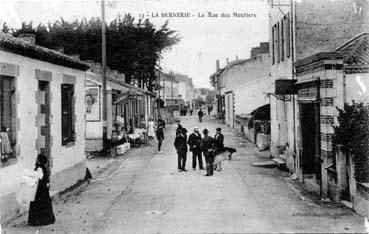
67 96
282 39
288 35
273 45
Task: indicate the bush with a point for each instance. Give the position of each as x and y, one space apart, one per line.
353 134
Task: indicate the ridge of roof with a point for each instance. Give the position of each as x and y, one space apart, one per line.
15 45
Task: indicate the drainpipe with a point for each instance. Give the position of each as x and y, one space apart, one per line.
292 23
319 140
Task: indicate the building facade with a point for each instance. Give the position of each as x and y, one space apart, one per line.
129 105
42 104
298 30
327 80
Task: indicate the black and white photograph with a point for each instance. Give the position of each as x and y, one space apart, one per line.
184 116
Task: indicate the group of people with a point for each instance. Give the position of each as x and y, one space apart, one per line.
198 145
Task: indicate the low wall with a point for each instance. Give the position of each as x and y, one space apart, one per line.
361 199
262 141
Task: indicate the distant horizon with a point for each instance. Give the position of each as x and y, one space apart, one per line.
210 29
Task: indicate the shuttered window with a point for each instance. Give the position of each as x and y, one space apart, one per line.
273 52
287 34
282 45
67 101
7 110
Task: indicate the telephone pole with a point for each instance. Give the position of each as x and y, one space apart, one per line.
103 59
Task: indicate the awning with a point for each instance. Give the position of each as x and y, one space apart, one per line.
121 99
261 113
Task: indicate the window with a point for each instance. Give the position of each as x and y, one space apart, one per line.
7 118
278 44
273 54
287 35
67 96
276 48
282 39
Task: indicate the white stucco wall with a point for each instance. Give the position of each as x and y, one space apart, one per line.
27 109
94 128
357 87
252 95
182 90
282 129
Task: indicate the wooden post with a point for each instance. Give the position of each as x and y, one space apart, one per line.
104 99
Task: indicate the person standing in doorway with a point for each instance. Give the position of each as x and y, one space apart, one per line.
207 147
219 147
209 109
200 114
180 143
41 210
194 141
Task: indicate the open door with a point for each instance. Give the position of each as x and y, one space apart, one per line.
310 139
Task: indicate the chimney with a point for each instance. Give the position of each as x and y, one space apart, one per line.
227 61
236 57
217 65
29 38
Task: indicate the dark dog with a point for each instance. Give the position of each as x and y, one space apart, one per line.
226 153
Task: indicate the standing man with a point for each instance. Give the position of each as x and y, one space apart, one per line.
209 110
194 141
219 146
180 143
179 126
200 114
160 135
207 147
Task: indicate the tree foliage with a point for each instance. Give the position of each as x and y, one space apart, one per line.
353 134
132 48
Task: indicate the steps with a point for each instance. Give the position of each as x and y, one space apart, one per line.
280 161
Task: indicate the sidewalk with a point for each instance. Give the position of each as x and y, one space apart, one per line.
98 167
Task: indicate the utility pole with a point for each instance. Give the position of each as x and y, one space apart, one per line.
171 87
104 99
159 92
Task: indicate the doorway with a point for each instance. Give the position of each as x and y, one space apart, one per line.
310 138
44 110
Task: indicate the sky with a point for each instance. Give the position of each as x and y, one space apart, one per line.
205 37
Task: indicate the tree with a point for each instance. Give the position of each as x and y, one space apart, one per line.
5 28
353 134
133 48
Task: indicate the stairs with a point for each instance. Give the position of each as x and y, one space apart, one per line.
280 161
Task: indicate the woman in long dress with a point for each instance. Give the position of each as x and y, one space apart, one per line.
41 210
151 131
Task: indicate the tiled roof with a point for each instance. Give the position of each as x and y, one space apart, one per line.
14 45
356 51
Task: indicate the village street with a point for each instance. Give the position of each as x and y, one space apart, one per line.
142 192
